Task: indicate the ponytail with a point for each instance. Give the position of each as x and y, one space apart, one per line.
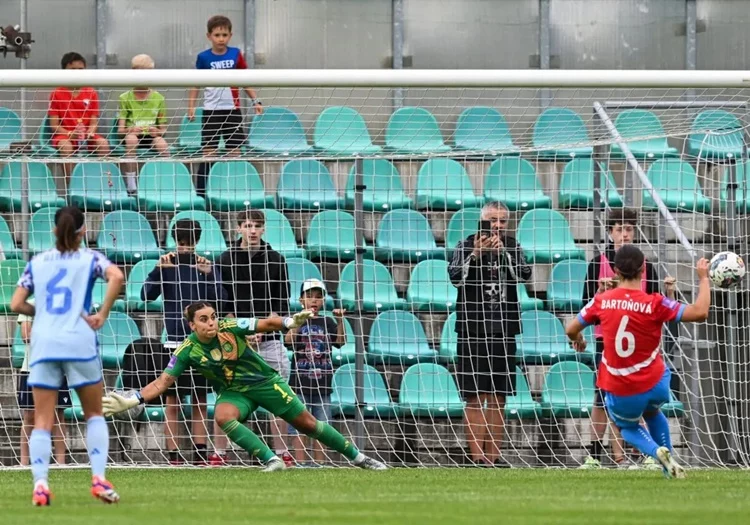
68 228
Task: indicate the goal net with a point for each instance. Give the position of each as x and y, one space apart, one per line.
368 181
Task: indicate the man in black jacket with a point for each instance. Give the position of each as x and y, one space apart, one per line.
256 283
486 268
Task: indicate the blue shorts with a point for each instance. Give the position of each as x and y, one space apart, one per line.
51 374
626 411
26 398
318 405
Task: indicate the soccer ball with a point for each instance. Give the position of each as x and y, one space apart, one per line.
726 269
132 414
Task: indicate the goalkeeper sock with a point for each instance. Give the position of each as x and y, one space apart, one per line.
248 440
658 427
97 443
333 439
40 450
641 439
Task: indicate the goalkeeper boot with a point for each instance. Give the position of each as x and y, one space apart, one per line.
650 463
591 463
369 463
669 466
42 496
274 464
103 490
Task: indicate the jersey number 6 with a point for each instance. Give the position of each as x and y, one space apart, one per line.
53 291
623 336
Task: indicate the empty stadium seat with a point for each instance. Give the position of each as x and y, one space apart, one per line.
568 390
306 184
674 408
430 289
341 130
483 129
448 349
546 238
677 185
7 243
398 337
133 286
18 350
10 272
560 133
577 186
526 301
280 236
98 292
189 138
462 224
383 187
98 186
405 235
41 187
379 292
211 244
717 135
331 236
74 412
742 192
167 186
429 390
126 237
10 128
298 270
633 124
346 353
235 186
443 184
522 405
513 181
542 339
376 401
278 131
118 332
413 131
565 287
41 236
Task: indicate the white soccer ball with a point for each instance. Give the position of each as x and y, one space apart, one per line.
131 414
726 269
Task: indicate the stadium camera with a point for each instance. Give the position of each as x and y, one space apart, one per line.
15 41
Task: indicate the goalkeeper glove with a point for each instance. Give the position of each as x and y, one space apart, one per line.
297 319
115 403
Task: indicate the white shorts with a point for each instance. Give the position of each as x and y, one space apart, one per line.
50 374
273 352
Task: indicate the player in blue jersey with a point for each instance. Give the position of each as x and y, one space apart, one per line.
64 346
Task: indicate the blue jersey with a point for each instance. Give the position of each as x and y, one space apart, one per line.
62 286
221 98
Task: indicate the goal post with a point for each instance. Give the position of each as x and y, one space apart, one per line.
372 199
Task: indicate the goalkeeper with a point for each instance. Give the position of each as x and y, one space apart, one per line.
243 381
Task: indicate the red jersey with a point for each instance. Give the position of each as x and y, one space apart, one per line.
73 110
631 322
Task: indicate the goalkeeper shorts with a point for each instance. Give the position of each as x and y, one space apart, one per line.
274 395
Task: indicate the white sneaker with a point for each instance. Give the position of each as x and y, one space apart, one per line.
369 463
591 463
274 464
650 463
670 467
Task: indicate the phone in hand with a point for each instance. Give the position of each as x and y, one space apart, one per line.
186 258
485 228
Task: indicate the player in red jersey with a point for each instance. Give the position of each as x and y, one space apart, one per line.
632 371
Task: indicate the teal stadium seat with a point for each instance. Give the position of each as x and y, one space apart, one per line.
561 133
7 243
278 131
379 292
568 390
527 302
397 337
280 236
74 412
717 135
542 339
341 130
430 289
565 288
677 185
443 184
522 405
99 186
211 244
462 224
18 350
384 189
483 129
98 292
306 185
376 402
429 390
189 138
167 187
414 131
448 349
236 186
41 236
133 286
44 145
674 408
118 332
126 237
298 270
644 135
10 128
346 353
742 193
10 273
546 238
41 187
331 236
513 181
577 186
406 236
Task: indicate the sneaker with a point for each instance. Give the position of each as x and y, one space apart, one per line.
669 466
501 462
218 460
369 463
591 463
103 490
650 463
274 464
288 460
42 496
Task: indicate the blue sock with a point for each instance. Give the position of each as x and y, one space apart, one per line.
97 442
640 439
658 427
40 450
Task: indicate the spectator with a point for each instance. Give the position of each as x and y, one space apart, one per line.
142 122
313 367
74 116
485 268
621 226
26 401
256 285
183 278
222 116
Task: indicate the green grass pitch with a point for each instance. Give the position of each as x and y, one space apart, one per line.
399 496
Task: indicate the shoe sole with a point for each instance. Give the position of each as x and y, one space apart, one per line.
108 498
670 467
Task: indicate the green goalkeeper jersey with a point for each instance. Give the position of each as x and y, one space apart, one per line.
227 362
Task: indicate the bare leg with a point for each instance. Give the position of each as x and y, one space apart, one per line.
26 428
618 447
58 438
300 452
318 452
495 426
198 424
171 412
220 439
66 149
279 443
476 426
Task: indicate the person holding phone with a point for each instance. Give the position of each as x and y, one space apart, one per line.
485 268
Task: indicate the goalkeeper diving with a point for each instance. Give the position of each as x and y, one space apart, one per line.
243 381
